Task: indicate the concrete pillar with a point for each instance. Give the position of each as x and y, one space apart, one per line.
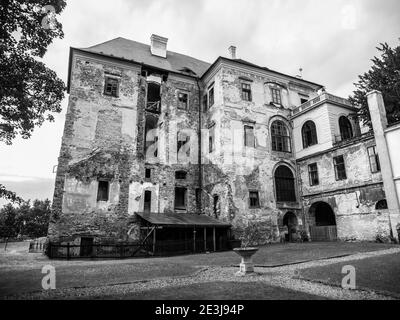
379 123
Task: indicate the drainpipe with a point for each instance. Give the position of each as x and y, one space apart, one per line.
200 149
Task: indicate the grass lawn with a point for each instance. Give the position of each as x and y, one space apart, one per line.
219 291
377 273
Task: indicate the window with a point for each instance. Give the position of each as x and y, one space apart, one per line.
381 205
246 92
276 96
211 140
254 200
313 174
346 132
280 137
303 98
147 201
183 99
309 134
183 140
373 160
284 184
180 198
205 103
181 175
102 190
340 168
216 206
111 87
249 140
211 97
147 173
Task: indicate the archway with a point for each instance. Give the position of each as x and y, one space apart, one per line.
290 221
323 222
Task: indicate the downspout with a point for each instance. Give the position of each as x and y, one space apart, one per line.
200 150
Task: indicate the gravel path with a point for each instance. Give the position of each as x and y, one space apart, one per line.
285 277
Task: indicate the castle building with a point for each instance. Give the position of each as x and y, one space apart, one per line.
156 141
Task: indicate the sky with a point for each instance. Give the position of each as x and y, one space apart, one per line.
331 40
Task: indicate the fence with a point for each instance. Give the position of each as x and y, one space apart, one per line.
120 251
37 245
323 233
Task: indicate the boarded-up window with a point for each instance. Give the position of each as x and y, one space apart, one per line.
249 140
102 190
374 160
340 168
111 87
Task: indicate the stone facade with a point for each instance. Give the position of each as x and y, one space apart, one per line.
167 119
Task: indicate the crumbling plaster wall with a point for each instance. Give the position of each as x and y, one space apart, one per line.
352 200
232 170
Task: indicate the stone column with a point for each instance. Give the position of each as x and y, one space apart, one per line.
379 124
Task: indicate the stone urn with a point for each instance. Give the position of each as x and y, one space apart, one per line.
246 266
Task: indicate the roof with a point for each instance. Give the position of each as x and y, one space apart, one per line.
244 62
139 52
182 220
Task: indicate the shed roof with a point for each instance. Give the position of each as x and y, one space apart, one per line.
182 220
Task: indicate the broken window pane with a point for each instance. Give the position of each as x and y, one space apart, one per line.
111 87
183 101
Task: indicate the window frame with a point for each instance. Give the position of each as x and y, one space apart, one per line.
285 186
375 158
313 180
345 128
180 92
99 196
210 93
278 95
336 167
257 199
245 139
111 94
245 91
312 139
279 136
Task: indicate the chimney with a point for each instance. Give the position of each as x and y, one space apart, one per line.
232 52
158 46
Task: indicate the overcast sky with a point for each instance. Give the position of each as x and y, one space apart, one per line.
332 40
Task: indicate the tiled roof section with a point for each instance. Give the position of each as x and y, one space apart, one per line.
140 53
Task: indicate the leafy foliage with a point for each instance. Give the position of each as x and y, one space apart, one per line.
25 220
251 235
384 76
29 91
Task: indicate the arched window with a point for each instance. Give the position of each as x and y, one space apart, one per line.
280 137
284 184
346 132
309 133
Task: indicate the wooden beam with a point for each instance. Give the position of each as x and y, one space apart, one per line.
205 239
154 240
214 240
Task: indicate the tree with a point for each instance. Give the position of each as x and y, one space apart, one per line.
29 91
25 219
384 76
